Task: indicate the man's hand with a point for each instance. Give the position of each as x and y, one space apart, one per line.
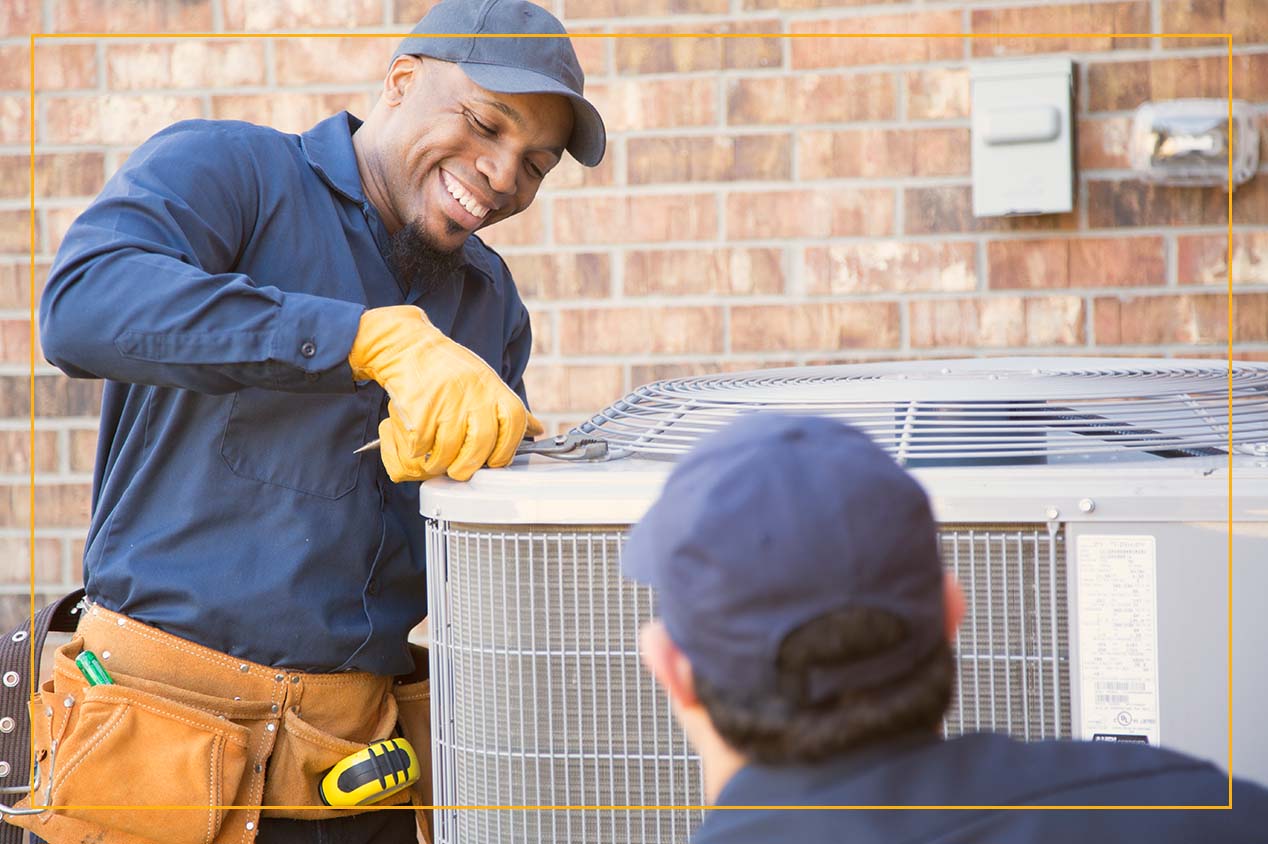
449 412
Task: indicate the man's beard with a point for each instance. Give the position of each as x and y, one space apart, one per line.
419 262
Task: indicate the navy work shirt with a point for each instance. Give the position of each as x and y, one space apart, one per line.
985 769
217 284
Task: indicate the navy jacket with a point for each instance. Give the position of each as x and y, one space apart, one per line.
984 769
217 284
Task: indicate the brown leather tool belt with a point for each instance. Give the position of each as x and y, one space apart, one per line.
204 741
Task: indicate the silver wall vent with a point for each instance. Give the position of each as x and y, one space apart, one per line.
1006 410
1070 495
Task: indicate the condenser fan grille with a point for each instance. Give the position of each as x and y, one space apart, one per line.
970 411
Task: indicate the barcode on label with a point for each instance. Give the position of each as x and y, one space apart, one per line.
1113 700
1122 686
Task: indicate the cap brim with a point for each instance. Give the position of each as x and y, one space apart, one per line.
589 138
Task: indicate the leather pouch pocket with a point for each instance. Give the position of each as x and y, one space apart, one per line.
414 703
302 756
117 748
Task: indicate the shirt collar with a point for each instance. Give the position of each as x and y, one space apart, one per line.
328 147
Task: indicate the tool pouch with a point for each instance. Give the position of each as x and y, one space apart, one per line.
413 702
106 750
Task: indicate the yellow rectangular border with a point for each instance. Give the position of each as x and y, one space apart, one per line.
33 38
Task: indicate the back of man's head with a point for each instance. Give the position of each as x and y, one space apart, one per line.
796 567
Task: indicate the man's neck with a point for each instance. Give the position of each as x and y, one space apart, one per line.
362 147
719 760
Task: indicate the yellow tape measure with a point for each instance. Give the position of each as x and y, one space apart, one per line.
370 775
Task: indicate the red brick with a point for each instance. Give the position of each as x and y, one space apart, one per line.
544 331
715 158
811 98
810 213
343 61
289 111
15 285
565 275
997 322
1093 19
15 120
15 231
60 67
1086 262
655 104
650 8
115 118
15 452
1243 19
937 94
15 341
1119 86
812 53
83 450
527 228
569 174
1203 259
787 5
1135 203
56 175
678 55
616 219
135 16
591 49
821 326
949 208
692 272
879 153
412 11
185 63
56 505
640 331
16 552
890 266
573 389
1186 318
55 395
284 16
15 176
20 17
1103 143
56 222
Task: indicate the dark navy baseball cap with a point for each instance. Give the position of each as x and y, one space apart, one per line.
774 521
537 65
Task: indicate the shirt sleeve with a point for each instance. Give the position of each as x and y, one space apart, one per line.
143 289
519 340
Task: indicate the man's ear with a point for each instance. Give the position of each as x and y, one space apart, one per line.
402 73
667 663
953 605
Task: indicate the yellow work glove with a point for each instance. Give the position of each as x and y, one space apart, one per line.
449 412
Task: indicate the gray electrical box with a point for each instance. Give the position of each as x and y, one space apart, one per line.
1023 159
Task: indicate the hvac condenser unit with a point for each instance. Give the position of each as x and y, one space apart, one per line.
1084 505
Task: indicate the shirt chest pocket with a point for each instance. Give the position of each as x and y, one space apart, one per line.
300 441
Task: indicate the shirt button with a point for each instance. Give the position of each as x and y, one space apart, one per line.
308 348
372 587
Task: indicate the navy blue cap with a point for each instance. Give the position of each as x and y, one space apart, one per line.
774 521
512 65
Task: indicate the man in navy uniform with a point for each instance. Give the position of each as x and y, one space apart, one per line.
262 304
803 636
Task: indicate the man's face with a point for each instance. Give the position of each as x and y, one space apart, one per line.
455 157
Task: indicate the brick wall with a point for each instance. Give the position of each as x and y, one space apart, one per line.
764 201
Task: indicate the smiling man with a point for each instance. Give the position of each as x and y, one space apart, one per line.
261 304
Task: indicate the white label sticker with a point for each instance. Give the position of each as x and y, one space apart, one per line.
1118 637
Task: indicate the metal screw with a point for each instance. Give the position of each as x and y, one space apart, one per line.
11 679
1087 505
7 724
68 702
105 654
270 727
244 668
1052 513
4 769
250 825
121 622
